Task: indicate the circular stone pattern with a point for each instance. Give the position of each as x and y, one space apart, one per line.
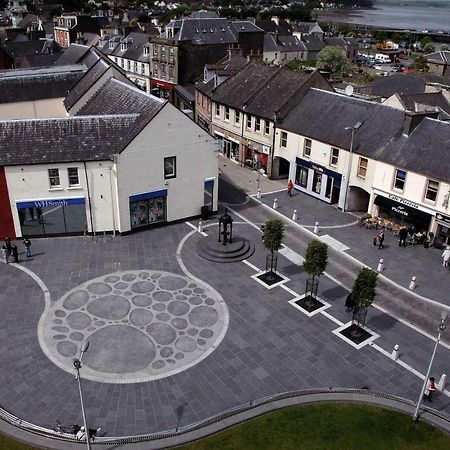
141 326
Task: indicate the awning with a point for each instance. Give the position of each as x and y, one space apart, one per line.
401 211
53 202
148 195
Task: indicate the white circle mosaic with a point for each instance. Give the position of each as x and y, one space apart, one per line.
141 325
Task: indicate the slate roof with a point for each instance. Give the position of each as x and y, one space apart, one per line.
28 48
244 26
228 66
434 99
205 88
205 31
398 83
283 28
67 139
29 85
290 44
340 41
312 43
136 42
442 57
270 43
72 55
307 27
108 43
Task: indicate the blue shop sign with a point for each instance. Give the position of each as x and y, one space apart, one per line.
148 195
330 173
54 202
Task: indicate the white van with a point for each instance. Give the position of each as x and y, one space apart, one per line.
383 59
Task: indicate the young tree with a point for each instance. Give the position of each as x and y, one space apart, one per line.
333 60
420 63
444 47
363 291
316 258
428 48
273 236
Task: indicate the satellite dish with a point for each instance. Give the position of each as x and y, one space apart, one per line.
349 90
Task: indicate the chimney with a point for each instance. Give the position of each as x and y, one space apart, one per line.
234 50
413 119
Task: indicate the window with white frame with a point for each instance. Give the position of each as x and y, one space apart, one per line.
257 124
227 113
72 174
237 117
155 51
431 191
163 53
146 51
266 127
283 139
307 147
249 122
170 167
217 110
53 178
399 179
171 55
334 156
362 167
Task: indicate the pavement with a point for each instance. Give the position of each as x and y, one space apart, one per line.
245 341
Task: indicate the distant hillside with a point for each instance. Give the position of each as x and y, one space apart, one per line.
435 3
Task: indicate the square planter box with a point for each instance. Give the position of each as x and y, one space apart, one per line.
366 336
301 303
268 281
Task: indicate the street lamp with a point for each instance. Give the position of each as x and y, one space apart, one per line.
77 365
355 127
260 172
442 326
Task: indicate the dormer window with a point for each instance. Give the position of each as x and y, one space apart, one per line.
123 46
146 51
205 75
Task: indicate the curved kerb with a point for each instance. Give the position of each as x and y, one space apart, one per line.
231 417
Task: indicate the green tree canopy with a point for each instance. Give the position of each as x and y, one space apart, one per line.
273 234
316 258
363 292
428 48
444 47
332 60
420 63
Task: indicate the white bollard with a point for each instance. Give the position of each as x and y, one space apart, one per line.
294 215
394 354
258 194
200 226
380 265
441 384
412 285
275 203
316 228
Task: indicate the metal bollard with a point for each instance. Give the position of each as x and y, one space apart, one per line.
200 226
316 228
258 194
275 203
394 354
412 285
294 215
441 384
380 265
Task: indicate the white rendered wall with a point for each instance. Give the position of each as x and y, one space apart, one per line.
53 107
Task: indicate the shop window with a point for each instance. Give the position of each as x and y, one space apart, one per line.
399 180
432 190
257 124
249 122
53 177
170 167
266 127
149 211
237 117
329 187
217 110
301 176
362 167
72 173
283 139
227 113
334 157
317 182
307 147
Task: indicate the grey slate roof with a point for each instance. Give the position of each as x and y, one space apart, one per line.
72 55
290 44
442 57
28 48
398 83
108 43
312 43
66 139
136 42
434 99
205 31
283 28
29 85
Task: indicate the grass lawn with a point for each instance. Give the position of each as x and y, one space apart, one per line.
8 444
332 426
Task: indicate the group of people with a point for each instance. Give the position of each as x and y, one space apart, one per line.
410 235
10 251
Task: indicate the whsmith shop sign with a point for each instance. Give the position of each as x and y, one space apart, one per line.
52 203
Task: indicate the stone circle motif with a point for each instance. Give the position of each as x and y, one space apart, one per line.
141 326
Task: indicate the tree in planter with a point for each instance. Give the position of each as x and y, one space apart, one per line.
363 295
316 259
272 238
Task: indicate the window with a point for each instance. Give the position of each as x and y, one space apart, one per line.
155 51
171 72
362 167
155 70
72 173
217 110
171 55
266 127
227 113
53 176
334 157
146 51
170 167
237 117
257 124
249 122
432 190
283 141
301 176
399 180
307 147
163 53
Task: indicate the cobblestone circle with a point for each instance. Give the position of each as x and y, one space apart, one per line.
141 325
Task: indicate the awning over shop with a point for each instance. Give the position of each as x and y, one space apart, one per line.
403 212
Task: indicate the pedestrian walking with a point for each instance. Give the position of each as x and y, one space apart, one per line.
5 254
431 387
263 232
445 256
15 253
8 244
349 303
290 186
381 240
27 244
402 234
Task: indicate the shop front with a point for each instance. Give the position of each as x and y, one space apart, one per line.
442 229
148 208
161 89
317 181
229 146
257 156
53 217
404 212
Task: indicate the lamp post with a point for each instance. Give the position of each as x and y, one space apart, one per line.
355 127
442 326
77 365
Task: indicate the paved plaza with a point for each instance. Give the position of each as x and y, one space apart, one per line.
175 338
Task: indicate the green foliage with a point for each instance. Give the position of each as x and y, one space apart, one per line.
295 65
380 36
363 292
332 59
420 63
444 47
316 258
273 234
426 40
428 48
344 28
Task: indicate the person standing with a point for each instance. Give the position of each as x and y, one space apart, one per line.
290 186
27 244
349 303
402 234
431 387
445 256
5 254
381 240
8 244
15 253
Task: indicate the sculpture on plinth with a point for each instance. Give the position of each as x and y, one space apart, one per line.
226 228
